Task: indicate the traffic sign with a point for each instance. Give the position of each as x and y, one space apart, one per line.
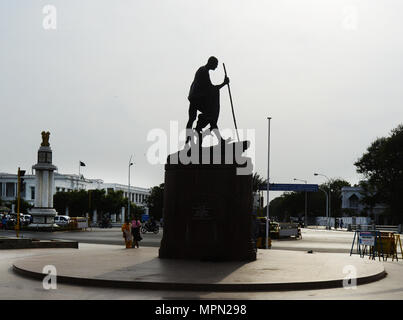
291 187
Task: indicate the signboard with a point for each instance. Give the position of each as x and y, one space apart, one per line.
367 239
82 223
39 219
291 187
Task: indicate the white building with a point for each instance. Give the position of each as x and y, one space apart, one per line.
351 200
65 183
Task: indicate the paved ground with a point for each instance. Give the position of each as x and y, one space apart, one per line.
141 268
13 286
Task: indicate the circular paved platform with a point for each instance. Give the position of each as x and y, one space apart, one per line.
274 270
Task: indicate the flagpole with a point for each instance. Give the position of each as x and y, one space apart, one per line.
79 167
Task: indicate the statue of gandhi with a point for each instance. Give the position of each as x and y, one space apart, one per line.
205 98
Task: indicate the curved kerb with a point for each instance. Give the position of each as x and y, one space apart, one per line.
219 287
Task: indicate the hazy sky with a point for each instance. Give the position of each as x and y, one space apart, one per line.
328 72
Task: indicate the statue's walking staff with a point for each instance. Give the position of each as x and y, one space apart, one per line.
232 106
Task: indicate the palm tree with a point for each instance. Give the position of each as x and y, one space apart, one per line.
257 181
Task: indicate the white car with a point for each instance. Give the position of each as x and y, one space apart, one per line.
62 220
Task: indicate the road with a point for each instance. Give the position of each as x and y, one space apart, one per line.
91 235
317 240
13 286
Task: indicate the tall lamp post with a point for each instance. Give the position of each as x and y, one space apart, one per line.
327 204
268 184
128 196
306 203
330 196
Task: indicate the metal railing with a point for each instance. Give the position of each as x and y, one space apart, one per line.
373 227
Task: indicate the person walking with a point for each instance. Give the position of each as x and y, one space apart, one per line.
136 226
341 224
4 222
127 234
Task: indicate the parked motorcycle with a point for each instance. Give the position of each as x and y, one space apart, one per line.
147 227
105 223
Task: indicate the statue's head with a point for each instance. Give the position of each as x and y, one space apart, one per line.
212 63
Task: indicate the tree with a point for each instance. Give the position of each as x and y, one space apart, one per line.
382 167
24 205
155 201
292 204
81 202
335 186
135 211
114 201
257 182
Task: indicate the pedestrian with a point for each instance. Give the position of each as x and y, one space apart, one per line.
127 234
341 223
136 226
336 223
4 222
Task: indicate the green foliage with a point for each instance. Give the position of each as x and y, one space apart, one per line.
292 204
155 201
24 205
135 211
382 167
335 186
257 181
81 202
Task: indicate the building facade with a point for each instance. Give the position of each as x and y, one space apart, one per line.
351 200
66 183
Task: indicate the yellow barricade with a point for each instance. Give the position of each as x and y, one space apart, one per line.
389 244
260 243
398 242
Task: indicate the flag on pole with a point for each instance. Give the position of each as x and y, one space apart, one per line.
82 164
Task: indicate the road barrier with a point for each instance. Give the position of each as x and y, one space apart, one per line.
376 243
373 227
79 222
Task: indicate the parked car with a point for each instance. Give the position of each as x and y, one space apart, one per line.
62 220
25 219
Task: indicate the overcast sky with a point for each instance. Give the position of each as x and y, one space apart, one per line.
328 72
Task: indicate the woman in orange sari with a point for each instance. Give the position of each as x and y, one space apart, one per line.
127 234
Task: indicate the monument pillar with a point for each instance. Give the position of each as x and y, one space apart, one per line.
43 212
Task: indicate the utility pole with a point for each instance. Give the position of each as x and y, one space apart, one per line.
268 184
128 196
19 175
306 202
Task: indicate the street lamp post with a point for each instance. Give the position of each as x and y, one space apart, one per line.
128 196
268 183
330 196
306 203
327 204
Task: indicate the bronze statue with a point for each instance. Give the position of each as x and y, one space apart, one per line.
205 98
45 139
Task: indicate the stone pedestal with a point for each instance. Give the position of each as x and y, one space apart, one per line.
208 210
43 213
